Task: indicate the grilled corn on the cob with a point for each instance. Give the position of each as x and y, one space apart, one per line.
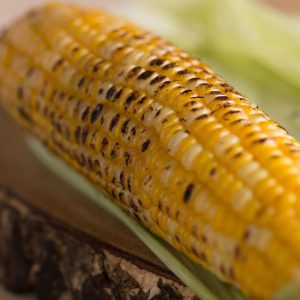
172 143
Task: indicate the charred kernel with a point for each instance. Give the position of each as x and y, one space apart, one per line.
145 75
114 122
102 119
191 103
124 126
127 158
96 113
113 153
20 92
133 131
24 115
118 94
81 82
121 196
260 141
182 72
100 91
129 185
85 114
157 113
156 62
221 98
84 134
169 66
188 192
202 117
196 97
122 180
214 93
134 71
231 112
104 144
96 68
132 97
142 100
75 49
157 79
57 64
213 172
78 133
246 235
162 86
110 92
145 145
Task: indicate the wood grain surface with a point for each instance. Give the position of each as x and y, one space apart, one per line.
21 171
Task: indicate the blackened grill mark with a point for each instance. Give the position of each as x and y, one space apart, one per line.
127 158
190 103
196 97
129 185
157 79
122 180
260 141
124 126
145 75
104 144
81 82
118 94
133 131
75 49
132 97
169 66
184 92
134 71
96 68
24 115
231 112
213 172
96 113
238 121
157 113
142 100
202 117
182 72
156 62
85 114
188 192
221 98
57 64
84 134
145 145
78 133
113 153
114 122
215 93
110 92
162 86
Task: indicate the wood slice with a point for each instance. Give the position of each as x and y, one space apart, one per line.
55 240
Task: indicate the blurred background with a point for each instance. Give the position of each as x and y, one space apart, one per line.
252 44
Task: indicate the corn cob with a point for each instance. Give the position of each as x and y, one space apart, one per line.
167 139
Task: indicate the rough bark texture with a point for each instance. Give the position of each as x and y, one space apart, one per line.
62 263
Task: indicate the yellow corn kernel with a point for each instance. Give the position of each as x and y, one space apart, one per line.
170 142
